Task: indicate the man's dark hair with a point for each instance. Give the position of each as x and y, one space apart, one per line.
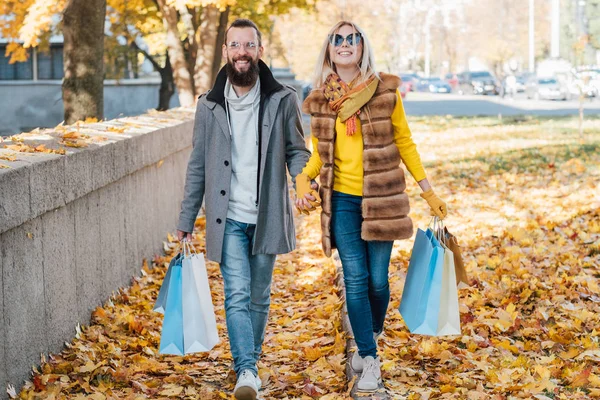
244 23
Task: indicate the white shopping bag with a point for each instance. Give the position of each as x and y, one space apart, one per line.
199 323
449 316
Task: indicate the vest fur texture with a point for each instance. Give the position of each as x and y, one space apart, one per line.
385 206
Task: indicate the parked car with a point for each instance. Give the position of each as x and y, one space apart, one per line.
433 85
452 80
478 82
306 89
587 80
404 89
522 81
546 88
410 80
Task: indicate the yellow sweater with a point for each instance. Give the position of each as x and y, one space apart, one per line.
348 168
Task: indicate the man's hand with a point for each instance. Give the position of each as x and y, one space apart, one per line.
181 235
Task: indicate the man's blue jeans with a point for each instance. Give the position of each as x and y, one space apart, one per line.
247 280
365 265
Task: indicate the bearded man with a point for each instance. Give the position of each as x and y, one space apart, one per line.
247 132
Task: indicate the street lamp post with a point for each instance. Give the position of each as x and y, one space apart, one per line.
555 40
531 37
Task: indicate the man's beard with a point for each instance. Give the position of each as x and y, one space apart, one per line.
242 79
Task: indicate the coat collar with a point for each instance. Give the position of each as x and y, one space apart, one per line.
268 84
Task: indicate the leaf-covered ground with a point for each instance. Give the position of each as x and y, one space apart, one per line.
524 201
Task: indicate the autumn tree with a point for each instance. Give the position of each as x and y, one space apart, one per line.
83 84
28 23
195 32
181 38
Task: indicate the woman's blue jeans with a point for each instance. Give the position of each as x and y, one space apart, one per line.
365 265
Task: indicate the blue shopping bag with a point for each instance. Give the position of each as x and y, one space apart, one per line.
420 305
171 337
161 300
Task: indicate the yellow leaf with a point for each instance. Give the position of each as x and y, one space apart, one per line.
571 353
505 344
71 135
172 390
582 378
312 353
115 129
447 389
8 156
90 366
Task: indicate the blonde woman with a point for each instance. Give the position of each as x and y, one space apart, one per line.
360 135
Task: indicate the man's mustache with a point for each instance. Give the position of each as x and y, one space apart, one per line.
242 58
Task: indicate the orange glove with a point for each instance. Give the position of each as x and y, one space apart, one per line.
438 207
304 188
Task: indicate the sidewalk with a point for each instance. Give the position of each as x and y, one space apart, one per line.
116 357
523 201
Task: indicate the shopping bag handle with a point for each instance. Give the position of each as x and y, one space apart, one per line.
187 247
437 227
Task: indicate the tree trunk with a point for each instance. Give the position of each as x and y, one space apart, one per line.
167 86
83 84
216 65
181 74
206 49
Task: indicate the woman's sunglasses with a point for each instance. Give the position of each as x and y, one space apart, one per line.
352 39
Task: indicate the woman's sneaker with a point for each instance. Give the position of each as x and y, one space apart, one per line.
247 386
357 363
370 378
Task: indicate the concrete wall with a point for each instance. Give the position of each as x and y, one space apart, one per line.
74 228
25 105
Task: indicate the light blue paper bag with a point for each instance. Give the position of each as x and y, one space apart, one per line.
161 300
171 338
420 305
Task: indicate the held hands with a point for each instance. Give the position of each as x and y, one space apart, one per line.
307 196
438 207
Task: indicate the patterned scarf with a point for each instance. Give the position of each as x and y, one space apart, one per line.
346 99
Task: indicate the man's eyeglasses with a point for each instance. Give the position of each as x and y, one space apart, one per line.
352 39
237 45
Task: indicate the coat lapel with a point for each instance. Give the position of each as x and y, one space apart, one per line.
269 120
267 128
221 118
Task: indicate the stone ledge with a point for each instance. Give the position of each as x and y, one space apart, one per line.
34 183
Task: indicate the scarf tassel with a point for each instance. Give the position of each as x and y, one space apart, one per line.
351 124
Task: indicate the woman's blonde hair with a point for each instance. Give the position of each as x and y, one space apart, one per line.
325 66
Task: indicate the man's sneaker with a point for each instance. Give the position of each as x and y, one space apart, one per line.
371 376
357 363
247 386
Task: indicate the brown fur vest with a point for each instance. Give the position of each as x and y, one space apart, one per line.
384 205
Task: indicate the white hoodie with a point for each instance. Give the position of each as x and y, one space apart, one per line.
242 114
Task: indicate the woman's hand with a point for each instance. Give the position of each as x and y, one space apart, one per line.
438 206
307 195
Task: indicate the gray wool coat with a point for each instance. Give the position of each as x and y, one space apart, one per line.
282 149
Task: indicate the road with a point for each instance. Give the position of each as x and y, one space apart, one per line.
471 105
